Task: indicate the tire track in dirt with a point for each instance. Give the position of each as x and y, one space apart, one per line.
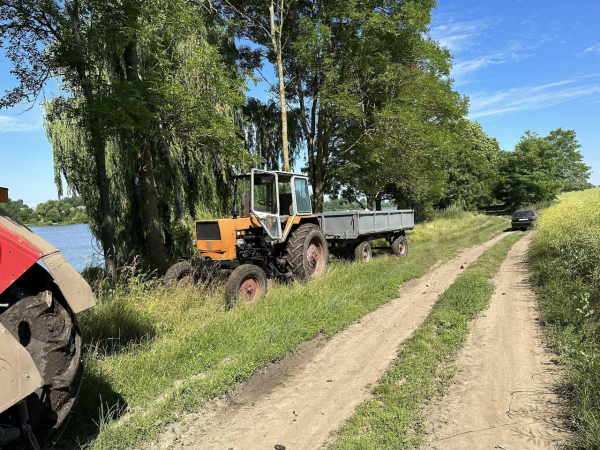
311 396
503 397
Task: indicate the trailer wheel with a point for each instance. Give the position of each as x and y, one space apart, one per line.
40 319
179 275
307 252
246 283
400 246
363 252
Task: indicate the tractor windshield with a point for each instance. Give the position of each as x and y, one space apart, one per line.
265 199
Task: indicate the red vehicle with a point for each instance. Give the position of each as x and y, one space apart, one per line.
40 342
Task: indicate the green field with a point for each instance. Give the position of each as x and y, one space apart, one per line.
565 257
153 353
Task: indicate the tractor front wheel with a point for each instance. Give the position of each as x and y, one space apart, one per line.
40 319
246 283
179 275
307 252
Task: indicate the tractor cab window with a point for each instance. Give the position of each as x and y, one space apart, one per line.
265 192
302 196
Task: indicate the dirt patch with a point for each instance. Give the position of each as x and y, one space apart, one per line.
306 396
503 397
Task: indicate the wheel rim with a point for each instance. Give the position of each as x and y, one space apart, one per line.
402 247
250 289
183 280
315 257
366 253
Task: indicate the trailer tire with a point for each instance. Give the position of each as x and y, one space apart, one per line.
363 252
246 283
307 252
179 275
400 246
40 318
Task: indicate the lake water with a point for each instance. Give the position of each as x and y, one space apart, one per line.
75 242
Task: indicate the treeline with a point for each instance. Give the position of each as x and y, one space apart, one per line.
152 114
68 210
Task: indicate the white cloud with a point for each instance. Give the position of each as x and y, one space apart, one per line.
593 49
528 98
458 36
10 124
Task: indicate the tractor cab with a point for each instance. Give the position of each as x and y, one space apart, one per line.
267 207
275 199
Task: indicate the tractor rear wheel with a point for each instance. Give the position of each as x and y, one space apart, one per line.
246 283
307 252
179 275
363 252
400 246
40 319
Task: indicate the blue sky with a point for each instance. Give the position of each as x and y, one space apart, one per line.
525 65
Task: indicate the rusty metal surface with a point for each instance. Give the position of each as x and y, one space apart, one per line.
18 375
77 292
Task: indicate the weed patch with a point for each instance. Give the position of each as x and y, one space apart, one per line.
565 262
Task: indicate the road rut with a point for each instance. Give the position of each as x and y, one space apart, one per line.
503 397
315 398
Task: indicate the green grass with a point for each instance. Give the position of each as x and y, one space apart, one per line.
565 263
153 353
394 417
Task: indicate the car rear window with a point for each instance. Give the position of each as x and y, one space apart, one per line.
523 214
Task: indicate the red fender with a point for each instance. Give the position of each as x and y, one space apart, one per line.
20 249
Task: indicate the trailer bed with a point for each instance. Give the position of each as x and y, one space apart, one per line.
356 225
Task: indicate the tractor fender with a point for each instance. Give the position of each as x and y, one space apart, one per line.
20 249
19 377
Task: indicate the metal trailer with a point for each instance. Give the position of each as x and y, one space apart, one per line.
354 229
352 226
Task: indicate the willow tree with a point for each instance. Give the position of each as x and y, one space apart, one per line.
49 38
164 104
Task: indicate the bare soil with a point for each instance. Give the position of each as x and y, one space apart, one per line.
503 397
297 402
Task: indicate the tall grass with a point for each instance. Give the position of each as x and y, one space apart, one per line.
153 353
565 257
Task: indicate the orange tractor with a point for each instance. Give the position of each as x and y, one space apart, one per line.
40 342
276 235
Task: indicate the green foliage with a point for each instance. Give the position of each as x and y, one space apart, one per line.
473 169
565 256
180 109
68 210
541 167
185 348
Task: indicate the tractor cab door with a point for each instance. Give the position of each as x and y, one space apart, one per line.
264 201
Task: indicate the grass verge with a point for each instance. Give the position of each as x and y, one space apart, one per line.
565 264
152 353
394 417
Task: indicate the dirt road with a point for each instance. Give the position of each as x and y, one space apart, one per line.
502 398
320 391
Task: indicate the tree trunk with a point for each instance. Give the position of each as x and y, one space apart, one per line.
97 143
378 203
156 243
150 213
276 43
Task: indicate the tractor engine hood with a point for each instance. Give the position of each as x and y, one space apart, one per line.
20 249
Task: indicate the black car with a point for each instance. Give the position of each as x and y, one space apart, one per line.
523 219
